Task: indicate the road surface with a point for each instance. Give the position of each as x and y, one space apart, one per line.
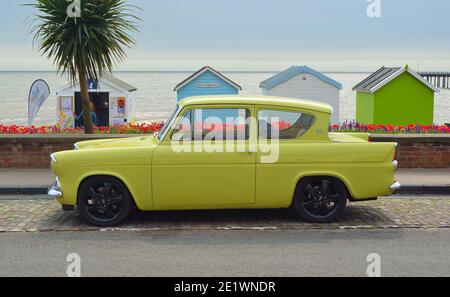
403 252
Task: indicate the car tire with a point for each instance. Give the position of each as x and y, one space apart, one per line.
104 201
320 199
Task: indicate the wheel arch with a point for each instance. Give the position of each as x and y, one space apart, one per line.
119 178
338 177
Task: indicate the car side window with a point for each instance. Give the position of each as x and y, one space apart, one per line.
277 124
221 124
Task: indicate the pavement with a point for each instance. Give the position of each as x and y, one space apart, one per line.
424 181
424 177
285 253
25 178
414 181
28 214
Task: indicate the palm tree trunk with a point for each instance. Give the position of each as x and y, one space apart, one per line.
85 102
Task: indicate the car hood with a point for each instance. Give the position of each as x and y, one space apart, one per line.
116 143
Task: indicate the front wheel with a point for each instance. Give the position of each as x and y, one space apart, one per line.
320 199
104 201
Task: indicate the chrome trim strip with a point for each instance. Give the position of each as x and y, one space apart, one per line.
396 186
52 156
163 136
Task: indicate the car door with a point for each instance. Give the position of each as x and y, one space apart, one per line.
280 145
202 164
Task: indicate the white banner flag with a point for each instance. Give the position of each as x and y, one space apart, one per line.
39 93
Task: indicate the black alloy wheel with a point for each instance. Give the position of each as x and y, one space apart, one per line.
104 201
320 199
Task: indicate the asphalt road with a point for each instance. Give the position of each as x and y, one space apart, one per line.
403 252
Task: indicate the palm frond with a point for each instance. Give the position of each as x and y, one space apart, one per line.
93 43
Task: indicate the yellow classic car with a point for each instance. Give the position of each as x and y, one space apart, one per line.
227 152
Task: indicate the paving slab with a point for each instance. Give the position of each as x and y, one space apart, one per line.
25 178
424 177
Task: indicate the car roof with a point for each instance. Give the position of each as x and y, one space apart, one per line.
258 100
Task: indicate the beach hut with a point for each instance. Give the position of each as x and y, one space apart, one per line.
305 83
396 96
112 99
206 81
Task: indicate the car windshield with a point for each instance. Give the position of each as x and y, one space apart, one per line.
166 127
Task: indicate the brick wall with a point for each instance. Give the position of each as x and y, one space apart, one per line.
29 151
414 151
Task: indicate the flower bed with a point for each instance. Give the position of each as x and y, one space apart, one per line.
147 128
390 129
150 128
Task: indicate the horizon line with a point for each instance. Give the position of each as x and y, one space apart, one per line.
188 71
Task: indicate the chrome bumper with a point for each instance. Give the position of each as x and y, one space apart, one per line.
55 191
396 186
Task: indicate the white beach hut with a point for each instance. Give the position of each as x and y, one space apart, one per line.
112 98
305 83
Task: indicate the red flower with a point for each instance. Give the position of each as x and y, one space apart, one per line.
149 128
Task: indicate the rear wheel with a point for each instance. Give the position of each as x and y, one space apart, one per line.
104 201
320 199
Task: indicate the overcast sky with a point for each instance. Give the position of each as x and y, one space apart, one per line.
258 35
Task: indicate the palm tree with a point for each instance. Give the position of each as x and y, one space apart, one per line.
86 44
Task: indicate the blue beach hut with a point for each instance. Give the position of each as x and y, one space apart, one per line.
206 81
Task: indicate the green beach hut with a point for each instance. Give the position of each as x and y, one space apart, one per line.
396 96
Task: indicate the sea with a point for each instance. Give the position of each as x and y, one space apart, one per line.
155 97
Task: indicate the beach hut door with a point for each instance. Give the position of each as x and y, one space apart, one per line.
100 100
